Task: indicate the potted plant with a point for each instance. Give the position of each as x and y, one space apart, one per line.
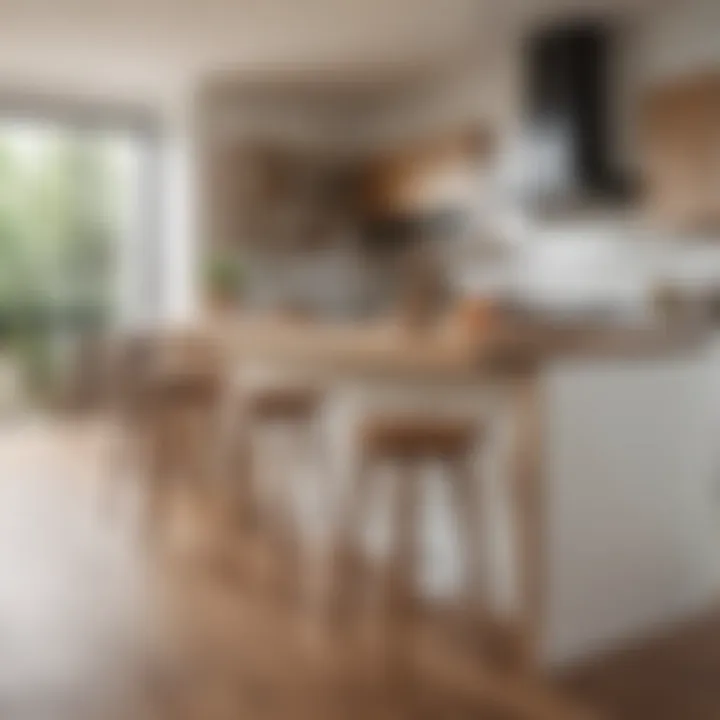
224 275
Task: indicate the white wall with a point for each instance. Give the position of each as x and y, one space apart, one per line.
180 240
158 264
680 37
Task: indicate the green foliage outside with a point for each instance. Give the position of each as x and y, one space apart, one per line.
58 222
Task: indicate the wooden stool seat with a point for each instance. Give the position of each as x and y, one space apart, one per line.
183 388
410 436
282 403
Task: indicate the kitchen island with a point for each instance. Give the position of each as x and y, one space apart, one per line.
612 455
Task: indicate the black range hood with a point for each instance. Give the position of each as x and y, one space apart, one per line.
569 106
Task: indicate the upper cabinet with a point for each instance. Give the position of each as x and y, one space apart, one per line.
680 135
427 177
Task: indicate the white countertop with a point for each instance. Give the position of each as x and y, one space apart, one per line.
588 266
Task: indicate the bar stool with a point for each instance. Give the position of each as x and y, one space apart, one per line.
296 408
180 393
409 442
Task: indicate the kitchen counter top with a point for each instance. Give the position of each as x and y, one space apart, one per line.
387 347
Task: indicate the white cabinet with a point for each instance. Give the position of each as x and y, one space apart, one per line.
633 466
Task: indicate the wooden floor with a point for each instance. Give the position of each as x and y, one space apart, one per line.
674 676
101 620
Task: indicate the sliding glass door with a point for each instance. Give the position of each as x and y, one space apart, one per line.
77 247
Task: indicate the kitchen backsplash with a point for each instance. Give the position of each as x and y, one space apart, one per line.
605 266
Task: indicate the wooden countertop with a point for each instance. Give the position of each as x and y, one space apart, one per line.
386 347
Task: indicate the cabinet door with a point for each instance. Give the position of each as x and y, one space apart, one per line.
681 139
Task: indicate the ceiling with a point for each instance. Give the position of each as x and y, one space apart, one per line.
157 47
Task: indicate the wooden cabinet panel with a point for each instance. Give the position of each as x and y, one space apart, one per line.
397 182
681 147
